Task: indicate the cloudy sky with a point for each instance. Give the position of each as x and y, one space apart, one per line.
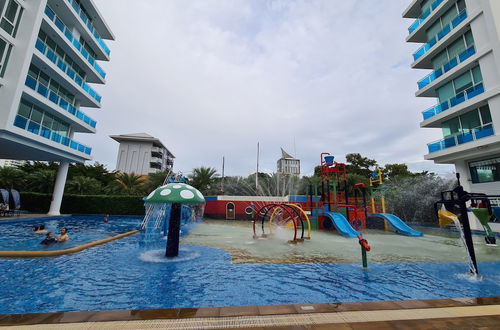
211 78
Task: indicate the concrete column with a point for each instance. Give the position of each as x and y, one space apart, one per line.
57 195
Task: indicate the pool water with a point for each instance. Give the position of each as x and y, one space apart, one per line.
131 273
18 236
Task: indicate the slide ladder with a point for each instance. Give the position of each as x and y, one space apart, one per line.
399 225
342 225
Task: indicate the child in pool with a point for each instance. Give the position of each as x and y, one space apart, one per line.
49 239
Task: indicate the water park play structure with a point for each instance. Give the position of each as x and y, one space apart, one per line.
336 209
458 201
168 208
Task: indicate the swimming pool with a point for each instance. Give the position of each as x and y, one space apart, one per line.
131 273
17 235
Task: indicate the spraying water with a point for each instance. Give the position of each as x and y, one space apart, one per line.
450 216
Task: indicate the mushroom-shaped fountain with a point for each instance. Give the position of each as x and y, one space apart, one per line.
158 209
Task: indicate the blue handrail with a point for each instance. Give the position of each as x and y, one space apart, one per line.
440 35
447 67
457 99
61 64
67 33
43 90
76 7
461 138
424 16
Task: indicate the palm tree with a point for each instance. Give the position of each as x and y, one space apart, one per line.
41 181
130 184
11 178
83 185
203 178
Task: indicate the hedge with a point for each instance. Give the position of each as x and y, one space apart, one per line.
84 204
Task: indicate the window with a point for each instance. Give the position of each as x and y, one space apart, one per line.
37 121
11 16
485 171
5 49
467 122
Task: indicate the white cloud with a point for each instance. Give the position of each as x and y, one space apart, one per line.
211 78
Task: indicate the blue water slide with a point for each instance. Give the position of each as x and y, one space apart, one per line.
399 225
496 212
342 225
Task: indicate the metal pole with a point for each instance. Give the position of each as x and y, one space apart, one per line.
468 234
257 173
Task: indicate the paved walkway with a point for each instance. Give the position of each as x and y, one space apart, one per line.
466 313
483 317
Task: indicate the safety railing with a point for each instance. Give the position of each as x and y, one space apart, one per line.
45 91
457 99
461 138
80 13
67 33
424 16
440 35
49 134
447 67
61 64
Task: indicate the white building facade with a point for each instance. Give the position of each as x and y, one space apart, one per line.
287 164
50 53
142 153
461 47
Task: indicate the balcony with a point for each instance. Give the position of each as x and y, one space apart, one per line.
424 16
447 67
155 165
457 99
61 64
86 21
156 154
441 34
54 98
44 132
72 40
461 138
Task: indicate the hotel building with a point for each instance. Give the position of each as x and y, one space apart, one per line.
50 54
287 164
141 153
460 45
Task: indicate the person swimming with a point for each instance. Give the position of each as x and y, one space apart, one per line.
63 236
106 218
49 239
39 230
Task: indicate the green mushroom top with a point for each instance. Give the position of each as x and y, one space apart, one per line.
176 193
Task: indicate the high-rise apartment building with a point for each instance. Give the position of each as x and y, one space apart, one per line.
461 47
50 52
141 153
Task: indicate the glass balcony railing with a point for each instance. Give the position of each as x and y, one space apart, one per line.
49 134
89 25
424 16
457 99
67 33
56 99
441 34
461 138
54 58
447 67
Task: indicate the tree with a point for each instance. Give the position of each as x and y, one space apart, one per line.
96 171
11 178
155 180
390 171
203 178
41 180
130 184
357 164
83 185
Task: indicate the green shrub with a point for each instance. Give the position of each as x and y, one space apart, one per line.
85 204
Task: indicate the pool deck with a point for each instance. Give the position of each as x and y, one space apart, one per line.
460 313
30 216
